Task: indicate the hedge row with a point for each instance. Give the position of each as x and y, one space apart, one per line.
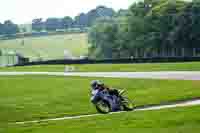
112 61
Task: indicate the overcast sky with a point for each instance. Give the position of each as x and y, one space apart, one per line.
23 11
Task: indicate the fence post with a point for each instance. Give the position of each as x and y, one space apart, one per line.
17 59
183 52
136 53
194 52
173 52
144 53
163 52
13 60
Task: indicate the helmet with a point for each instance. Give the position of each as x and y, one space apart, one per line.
95 83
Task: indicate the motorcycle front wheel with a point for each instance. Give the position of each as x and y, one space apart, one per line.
103 107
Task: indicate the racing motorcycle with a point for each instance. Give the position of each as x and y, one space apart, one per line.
105 102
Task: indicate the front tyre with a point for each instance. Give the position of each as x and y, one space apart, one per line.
127 104
103 107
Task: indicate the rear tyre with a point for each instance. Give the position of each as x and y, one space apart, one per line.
103 107
127 104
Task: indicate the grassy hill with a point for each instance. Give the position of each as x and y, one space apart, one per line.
48 47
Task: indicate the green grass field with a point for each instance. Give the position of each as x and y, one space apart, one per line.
24 98
144 67
186 66
178 120
49 47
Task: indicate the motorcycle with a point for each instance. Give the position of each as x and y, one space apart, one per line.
105 102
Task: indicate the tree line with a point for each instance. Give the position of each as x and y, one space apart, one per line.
151 28
8 28
83 20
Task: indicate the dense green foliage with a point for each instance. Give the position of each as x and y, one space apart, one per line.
8 28
81 21
151 28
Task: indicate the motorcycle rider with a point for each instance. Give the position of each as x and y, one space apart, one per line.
97 85
108 100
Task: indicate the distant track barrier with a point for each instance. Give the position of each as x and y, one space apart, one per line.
110 61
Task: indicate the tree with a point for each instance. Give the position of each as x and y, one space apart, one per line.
88 19
10 28
1 29
68 21
52 24
122 12
152 25
150 28
186 34
99 12
37 24
102 37
164 18
1 53
81 21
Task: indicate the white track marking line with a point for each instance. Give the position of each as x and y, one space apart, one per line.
158 107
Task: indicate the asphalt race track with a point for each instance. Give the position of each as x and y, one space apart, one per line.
178 75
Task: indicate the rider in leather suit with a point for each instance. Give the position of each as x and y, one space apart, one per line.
98 85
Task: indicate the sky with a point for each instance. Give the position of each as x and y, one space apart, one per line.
23 11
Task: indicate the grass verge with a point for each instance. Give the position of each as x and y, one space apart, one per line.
24 98
144 67
177 120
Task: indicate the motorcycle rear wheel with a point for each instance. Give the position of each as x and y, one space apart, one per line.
127 104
